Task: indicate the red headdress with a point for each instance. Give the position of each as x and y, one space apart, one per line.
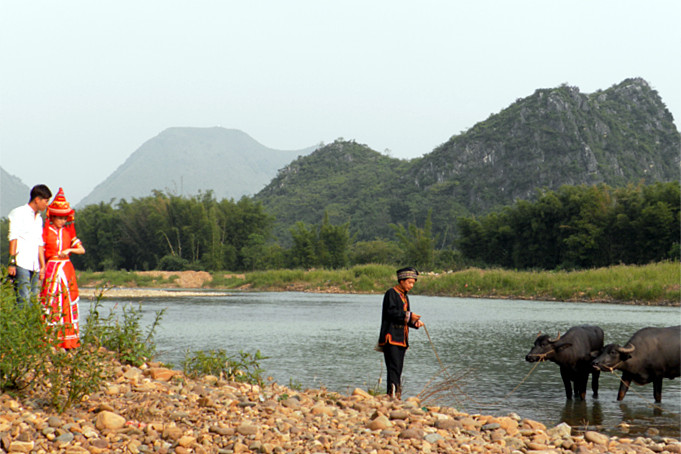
60 207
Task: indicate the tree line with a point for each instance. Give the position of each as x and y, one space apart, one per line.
578 227
573 227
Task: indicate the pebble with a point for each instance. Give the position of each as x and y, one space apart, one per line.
149 410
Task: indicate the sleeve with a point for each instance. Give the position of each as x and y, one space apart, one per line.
13 226
71 228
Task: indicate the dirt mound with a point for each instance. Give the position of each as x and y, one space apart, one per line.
187 279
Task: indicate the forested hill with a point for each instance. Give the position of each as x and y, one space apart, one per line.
351 182
186 161
554 137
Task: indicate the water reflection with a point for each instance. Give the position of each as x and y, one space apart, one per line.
582 415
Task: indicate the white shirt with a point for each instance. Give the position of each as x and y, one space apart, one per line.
26 226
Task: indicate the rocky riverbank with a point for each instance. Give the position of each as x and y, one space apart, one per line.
154 409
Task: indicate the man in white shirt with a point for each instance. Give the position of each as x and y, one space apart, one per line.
26 255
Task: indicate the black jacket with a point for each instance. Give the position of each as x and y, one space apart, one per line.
394 322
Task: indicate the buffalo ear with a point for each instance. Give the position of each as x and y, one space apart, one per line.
561 346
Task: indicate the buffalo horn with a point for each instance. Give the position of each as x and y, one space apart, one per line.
556 338
627 348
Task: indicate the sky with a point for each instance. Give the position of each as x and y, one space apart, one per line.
85 83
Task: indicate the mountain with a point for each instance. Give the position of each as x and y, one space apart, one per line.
186 161
350 181
554 137
12 193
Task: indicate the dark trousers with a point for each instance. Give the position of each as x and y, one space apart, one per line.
394 360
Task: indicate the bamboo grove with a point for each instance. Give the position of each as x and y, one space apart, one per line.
572 228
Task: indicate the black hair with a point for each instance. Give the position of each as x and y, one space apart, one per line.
40 190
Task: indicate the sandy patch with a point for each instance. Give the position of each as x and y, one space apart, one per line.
91 293
186 279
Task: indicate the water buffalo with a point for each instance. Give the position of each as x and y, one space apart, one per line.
573 352
649 356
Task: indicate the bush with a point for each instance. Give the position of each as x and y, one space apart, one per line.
29 360
23 339
172 263
124 338
245 369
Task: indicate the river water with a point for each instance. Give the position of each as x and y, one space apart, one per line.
327 340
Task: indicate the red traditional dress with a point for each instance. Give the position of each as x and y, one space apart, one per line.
59 294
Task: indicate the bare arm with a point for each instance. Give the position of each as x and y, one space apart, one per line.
12 269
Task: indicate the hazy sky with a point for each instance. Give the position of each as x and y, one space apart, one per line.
84 83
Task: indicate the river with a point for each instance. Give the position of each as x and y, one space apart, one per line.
327 340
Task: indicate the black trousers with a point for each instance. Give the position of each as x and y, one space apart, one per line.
394 360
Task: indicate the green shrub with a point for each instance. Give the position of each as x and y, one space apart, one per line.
123 337
245 368
172 263
30 362
70 375
23 339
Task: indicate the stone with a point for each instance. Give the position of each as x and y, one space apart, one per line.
433 438
172 433
225 431
491 426
109 420
673 447
412 433
161 373
100 443
64 438
54 421
562 430
597 438
399 414
132 373
186 441
292 403
247 429
358 392
379 423
448 424
321 409
21 446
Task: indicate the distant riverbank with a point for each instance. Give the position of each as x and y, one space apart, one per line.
654 284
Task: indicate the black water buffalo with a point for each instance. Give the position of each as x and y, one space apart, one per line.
573 352
649 356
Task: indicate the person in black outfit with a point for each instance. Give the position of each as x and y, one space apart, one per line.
396 319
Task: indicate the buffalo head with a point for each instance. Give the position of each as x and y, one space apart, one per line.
545 347
612 356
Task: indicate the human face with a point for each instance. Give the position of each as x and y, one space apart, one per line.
58 221
41 204
407 284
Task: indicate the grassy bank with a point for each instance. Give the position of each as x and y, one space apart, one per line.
655 284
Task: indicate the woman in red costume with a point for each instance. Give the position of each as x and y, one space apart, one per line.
59 294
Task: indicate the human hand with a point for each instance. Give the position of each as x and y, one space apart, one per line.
419 324
12 270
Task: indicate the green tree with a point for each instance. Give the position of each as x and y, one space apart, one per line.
416 243
333 243
303 252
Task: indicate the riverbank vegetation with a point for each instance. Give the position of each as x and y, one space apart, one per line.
575 227
30 364
657 283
